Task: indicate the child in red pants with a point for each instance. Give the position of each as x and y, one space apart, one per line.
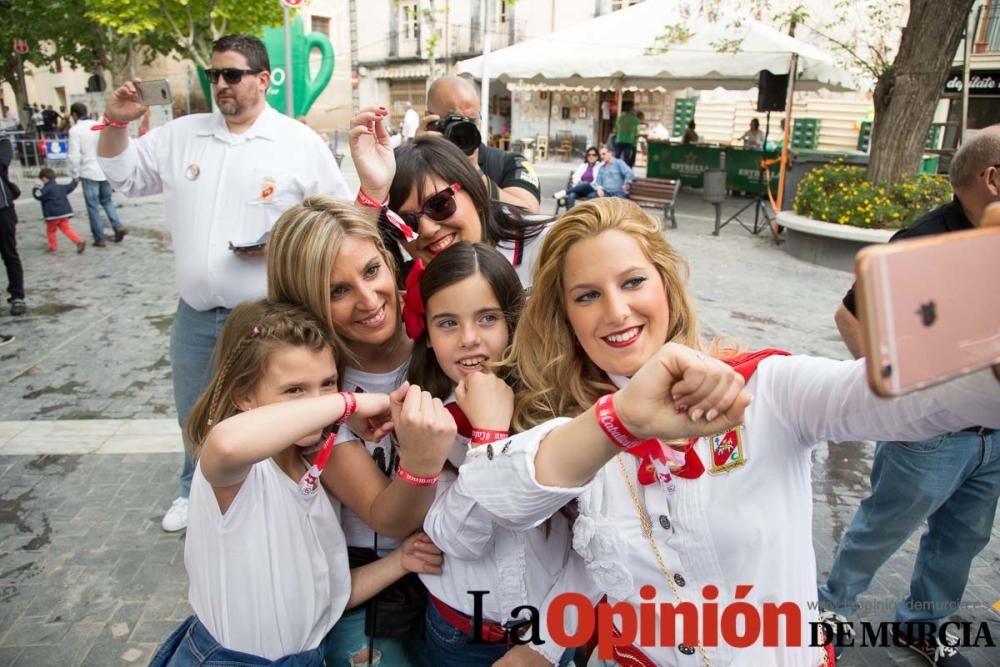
56 208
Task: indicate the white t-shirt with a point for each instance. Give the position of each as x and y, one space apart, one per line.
383 452
270 576
411 119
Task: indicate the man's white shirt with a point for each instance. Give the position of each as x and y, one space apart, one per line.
221 187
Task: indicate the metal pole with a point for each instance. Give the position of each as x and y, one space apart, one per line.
969 37
289 93
792 71
484 95
187 85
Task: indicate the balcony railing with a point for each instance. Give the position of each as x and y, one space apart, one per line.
988 31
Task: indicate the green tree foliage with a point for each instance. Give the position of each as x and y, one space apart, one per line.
184 27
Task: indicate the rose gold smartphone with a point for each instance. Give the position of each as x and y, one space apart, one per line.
929 308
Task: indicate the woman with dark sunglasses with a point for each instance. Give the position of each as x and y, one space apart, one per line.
583 178
430 183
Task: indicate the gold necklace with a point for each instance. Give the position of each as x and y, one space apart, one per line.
647 529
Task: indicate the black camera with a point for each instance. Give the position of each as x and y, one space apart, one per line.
460 130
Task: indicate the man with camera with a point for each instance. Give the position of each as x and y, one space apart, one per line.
453 110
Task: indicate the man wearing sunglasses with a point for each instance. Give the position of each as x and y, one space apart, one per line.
510 176
226 177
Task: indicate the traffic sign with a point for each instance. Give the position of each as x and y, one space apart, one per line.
20 46
292 4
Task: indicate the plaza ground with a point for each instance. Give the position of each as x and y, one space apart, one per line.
90 449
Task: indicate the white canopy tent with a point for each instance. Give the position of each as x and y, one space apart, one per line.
610 52
619 50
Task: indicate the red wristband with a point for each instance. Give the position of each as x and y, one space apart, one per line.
485 436
350 407
414 479
365 200
107 122
607 419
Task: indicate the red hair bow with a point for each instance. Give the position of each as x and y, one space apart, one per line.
413 305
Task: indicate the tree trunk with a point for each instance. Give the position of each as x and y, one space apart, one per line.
12 76
907 94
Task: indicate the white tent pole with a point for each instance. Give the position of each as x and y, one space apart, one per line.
484 95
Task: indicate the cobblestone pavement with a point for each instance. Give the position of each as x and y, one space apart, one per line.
89 451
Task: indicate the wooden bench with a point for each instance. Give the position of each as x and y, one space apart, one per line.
657 193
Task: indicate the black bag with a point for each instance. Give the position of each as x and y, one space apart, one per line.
15 191
398 611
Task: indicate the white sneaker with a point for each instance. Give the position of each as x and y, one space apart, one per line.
176 517
559 195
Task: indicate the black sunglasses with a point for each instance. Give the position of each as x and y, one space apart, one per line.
983 172
232 75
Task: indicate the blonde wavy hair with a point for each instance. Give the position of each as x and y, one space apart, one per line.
301 251
556 377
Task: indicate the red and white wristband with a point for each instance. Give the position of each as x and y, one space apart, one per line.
416 480
366 200
613 427
485 436
107 122
350 406
309 484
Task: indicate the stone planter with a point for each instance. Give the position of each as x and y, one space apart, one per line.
825 243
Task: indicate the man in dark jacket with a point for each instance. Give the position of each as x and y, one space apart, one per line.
8 238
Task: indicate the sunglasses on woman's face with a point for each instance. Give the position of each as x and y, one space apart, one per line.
438 207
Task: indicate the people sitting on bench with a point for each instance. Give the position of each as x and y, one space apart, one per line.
583 178
614 178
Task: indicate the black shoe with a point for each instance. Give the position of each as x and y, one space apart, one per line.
4 340
120 234
932 649
100 243
18 307
837 623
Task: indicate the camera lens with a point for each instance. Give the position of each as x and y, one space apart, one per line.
465 135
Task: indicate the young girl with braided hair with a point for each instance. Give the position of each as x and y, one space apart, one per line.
265 552
461 311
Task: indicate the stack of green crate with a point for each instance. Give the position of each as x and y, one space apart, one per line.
932 137
805 133
865 136
683 114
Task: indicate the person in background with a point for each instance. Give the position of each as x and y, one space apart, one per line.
226 177
584 178
83 164
951 481
8 232
626 134
56 208
614 179
690 136
411 121
754 137
509 176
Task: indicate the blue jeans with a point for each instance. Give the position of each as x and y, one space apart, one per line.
347 646
446 645
953 482
191 645
582 189
192 341
97 194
